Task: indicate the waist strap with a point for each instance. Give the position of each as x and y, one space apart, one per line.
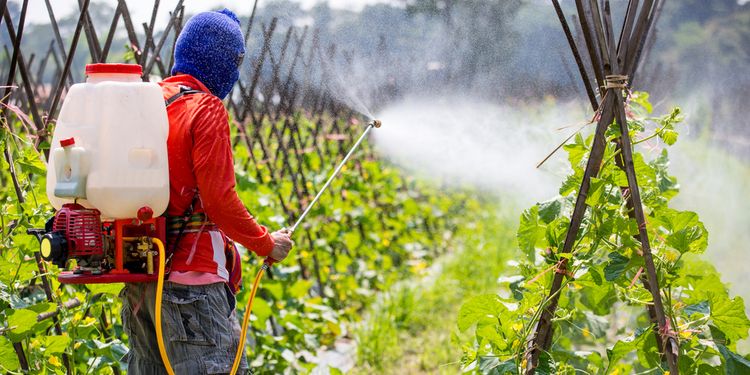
195 223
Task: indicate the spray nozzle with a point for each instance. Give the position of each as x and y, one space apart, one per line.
375 123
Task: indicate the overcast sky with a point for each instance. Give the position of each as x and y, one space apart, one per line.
141 9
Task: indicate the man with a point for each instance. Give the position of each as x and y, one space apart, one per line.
201 329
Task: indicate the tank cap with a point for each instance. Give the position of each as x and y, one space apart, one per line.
67 142
145 213
113 69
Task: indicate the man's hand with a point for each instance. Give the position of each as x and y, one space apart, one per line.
282 244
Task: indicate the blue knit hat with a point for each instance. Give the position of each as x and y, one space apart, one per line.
210 48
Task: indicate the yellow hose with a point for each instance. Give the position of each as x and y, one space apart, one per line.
160 334
159 290
246 320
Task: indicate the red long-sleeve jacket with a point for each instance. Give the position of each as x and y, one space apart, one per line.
200 159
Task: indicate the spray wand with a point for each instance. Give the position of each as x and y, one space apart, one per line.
268 262
370 125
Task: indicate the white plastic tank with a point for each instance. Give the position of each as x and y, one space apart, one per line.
119 124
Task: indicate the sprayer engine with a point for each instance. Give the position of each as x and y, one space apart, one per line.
103 251
76 233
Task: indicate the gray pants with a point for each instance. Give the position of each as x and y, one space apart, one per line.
200 327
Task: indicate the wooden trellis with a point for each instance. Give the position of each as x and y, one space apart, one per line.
613 62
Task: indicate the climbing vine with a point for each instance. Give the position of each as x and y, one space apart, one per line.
602 323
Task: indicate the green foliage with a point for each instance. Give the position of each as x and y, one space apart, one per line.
602 325
375 226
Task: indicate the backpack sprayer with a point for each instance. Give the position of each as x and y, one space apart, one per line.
108 178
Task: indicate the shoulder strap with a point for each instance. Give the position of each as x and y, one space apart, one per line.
184 90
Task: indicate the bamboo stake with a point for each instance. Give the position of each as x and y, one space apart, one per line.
581 68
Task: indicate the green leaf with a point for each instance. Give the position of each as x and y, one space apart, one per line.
22 321
641 98
669 136
623 348
262 311
546 365
8 357
734 363
598 298
697 308
6 277
556 232
688 233
352 240
616 266
276 290
716 334
491 365
300 288
113 289
596 275
31 162
649 355
645 174
596 190
480 308
668 186
56 344
550 210
667 133
342 264
43 307
572 182
729 316
530 232
702 278
576 151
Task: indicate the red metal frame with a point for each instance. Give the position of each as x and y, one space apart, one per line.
124 230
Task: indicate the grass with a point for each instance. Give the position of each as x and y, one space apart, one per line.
412 328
